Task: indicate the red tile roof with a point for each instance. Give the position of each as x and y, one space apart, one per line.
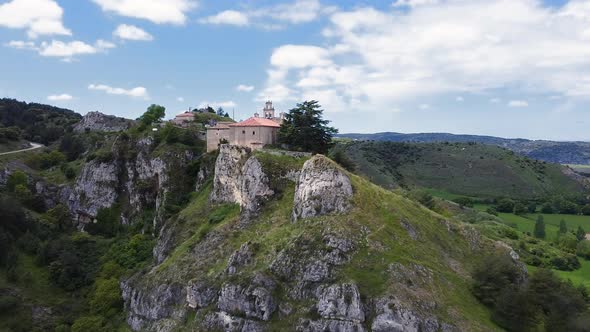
256 122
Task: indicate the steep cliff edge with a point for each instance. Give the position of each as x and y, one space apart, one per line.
358 258
132 176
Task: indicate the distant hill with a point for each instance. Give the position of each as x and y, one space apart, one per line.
551 151
460 168
38 122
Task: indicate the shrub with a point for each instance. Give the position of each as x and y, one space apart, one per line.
8 303
89 324
492 275
583 249
565 262
547 208
520 208
106 299
15 179
491 210
464 201
505 205
424 198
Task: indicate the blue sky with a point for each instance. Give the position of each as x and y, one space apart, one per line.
512 68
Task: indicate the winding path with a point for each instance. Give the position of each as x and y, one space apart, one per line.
33 147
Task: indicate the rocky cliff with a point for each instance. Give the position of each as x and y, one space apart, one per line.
96 121
132 176
358 258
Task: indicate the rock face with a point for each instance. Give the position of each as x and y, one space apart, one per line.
322 188
96 121
239 178
142 181
156 309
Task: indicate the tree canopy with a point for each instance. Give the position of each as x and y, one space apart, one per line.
153 114
304 128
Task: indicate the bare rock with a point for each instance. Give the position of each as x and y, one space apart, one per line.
96 121
328 325
239 258
392 315
223 321
322 188
341 302
252 301
199 294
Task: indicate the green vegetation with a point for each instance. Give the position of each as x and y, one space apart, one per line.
155 113
473 170
38 123
304 129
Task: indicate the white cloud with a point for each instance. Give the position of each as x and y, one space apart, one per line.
518 103
157 11
138 92
64 50
131 32
217 104
230 17
60 97
459 99
21 45
38 17
424 106
495 100
271 17
180 99
244 88
374 59
414 3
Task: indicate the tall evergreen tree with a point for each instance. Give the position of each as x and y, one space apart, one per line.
562 227
540 227
304 128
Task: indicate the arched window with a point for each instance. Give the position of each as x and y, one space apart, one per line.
253 133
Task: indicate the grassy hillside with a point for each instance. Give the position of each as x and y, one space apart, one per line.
458 168
208 234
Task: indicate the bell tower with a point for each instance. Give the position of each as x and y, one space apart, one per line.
269 110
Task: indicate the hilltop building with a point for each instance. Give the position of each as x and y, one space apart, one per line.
254 132
183 119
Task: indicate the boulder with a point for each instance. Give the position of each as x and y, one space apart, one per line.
322 188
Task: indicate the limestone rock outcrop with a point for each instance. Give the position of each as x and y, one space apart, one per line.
322 188
239 178
96 121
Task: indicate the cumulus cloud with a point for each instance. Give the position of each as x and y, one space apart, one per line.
217 104
374 59
271 17
414 3
137 92
64 50
131 32
157 11
60 97
244 88
229 17
518 103
38 17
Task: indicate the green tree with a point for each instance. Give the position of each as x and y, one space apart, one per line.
586 210
547 208
539 231
220 111
154 113
304 129
531 207
580 233
58 217
583 249
562 227
15 179
505 205
520 208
